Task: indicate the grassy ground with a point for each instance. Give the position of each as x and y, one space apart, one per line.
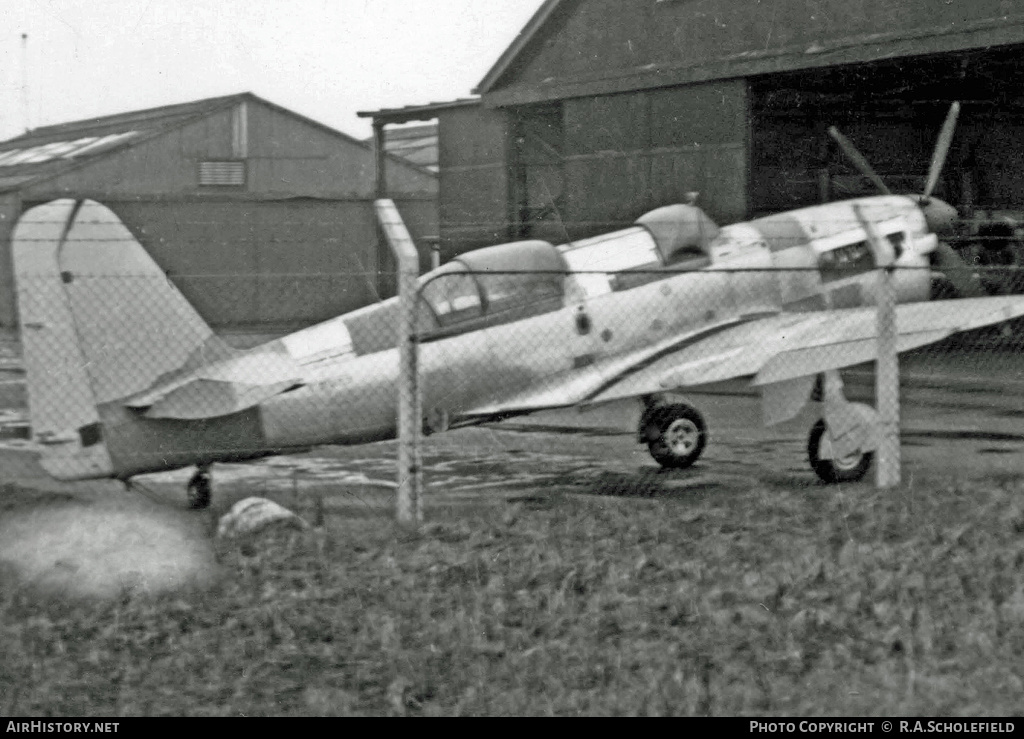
772 600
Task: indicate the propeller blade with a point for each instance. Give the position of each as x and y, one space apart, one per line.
941 149
962 277
857 159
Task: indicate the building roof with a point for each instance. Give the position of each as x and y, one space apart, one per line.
810 42
519 43
49 150
411 113
149 118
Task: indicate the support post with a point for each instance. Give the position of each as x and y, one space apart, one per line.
409 509
434 242
887 373
10 211
887 383
380 175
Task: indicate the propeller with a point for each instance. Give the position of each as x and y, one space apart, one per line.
858 160
941 150
939 216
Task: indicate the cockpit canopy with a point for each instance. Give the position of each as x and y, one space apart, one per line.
513 281
680 231
497 284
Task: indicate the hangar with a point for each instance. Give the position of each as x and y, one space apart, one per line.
601 110
258 214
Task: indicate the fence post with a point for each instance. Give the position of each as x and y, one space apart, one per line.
887 373
434 242
409 509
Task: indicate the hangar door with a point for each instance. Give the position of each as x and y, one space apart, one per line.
593 164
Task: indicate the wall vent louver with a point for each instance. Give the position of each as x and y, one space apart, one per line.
222 174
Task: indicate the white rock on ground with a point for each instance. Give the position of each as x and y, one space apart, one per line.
253 515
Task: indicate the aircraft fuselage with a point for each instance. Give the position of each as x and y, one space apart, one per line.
474 356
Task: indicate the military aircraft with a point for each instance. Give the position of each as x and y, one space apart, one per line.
124 377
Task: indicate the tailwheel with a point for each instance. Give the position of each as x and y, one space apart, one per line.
675 434
850 468
200 488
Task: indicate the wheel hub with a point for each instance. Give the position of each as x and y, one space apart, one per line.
682 436
849 462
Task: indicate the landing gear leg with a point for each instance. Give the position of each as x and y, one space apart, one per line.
840 447
200 488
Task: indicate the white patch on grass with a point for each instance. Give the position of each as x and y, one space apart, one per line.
103 550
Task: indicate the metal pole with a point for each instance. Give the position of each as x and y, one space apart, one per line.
409 509
380 160
887 383
434 242
887 372
380 174
25 112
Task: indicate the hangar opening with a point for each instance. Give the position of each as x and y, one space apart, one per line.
892 111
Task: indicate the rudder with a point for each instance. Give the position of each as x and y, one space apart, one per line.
100 321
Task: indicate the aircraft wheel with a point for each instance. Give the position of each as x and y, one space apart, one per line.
845 469
680 435
200 489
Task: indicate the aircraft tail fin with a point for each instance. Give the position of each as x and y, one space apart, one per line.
99 321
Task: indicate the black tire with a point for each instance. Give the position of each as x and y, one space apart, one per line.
848 469
680 435
200 491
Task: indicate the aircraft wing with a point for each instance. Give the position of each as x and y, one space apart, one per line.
789 346
578 385
772 349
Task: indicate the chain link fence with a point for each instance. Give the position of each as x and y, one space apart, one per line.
587 379
647 329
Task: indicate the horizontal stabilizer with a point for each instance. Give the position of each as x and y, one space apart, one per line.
221 388
212 398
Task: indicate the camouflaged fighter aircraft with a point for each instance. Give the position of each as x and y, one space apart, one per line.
125 378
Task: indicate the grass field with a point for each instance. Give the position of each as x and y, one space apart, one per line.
774 600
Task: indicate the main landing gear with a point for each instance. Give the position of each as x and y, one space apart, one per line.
200 488
840 447
849 468
675 433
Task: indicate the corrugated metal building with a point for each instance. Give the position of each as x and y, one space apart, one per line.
258 214
603 109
